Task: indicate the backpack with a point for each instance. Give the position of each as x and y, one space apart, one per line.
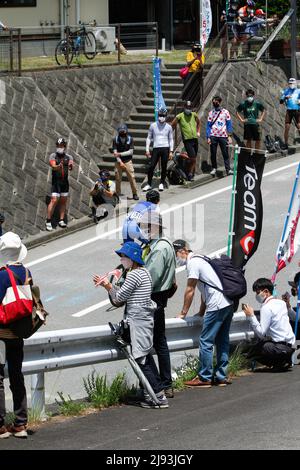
234 285
175 175
271 144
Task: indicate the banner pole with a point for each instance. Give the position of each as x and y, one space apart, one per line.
286 222
233 192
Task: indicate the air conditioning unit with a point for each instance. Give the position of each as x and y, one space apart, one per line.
105 38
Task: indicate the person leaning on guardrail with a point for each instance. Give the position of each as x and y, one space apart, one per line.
217 311
274 332
139 312
12 253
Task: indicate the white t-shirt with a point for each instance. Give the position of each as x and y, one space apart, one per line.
198 268
274 322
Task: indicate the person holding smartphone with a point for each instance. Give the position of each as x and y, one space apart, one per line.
274 332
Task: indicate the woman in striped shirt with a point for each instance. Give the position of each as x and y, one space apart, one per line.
139 310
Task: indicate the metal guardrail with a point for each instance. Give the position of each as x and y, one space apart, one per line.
63 349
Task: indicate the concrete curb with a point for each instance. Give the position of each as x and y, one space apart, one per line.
76 225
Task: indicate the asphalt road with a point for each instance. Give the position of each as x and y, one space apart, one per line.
63 268
260 411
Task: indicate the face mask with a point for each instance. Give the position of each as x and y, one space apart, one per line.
234 7
216 105
161 119
260 298
250 99
188 112
60 151
181 262
293 86
126 262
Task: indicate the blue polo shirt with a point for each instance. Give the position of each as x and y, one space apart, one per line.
131 231
19 270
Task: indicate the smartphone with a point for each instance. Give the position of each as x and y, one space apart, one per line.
244 306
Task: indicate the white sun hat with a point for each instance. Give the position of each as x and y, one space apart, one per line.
12 249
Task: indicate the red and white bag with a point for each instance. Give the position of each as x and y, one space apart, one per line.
17 302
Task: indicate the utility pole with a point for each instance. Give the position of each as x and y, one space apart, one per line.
294 40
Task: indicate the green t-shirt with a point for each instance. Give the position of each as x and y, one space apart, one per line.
188 125
250 110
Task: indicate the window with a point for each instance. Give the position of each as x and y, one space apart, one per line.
17 3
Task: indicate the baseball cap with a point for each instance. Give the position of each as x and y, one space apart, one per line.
295 282
292 80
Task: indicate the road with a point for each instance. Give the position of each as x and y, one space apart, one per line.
63 268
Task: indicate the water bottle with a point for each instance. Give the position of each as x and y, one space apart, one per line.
77 43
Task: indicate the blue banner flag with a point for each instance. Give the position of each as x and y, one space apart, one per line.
158 97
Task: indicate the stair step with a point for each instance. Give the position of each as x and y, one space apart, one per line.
172 87
139 161
140 125
171 79
142 117
168 94
168 101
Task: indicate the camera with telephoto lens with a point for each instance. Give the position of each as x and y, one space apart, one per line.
121 330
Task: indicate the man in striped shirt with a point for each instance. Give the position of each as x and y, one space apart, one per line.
218 132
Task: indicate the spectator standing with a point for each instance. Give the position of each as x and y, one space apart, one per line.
189 123
131 230
253 114
61 163
12 254
123 151
218 132
275 334
2 220
159 257
161 134
195 60
139 310
217 311
103 194
291 98
292 310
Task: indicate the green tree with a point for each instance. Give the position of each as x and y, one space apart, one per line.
281 7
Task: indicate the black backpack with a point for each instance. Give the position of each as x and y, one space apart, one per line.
175 175
232 278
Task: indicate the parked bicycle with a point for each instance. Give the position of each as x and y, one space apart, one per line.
74 44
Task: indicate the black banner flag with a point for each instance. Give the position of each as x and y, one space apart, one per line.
248 211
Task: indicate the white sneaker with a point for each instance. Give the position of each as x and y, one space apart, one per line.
213 172
146 188
161 187
62 224
49 226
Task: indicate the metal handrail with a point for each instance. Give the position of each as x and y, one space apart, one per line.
62 349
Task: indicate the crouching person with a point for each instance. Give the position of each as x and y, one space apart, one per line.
274 332
12 253
139 312
103 196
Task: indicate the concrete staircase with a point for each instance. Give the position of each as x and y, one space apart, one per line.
140 121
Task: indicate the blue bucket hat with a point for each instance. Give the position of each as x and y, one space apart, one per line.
133 251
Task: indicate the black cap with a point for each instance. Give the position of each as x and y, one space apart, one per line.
295 282
180 245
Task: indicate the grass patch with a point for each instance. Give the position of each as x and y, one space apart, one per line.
101 394
69 407
237 363
187 371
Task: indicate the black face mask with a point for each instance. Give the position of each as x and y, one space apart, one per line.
216 105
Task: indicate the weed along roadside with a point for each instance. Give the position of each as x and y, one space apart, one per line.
101 395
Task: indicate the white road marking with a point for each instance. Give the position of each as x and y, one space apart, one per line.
94 307
171 209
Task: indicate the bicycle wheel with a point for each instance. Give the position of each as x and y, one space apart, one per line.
90 46
64 53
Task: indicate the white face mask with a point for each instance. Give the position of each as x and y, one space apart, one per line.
250 99
162 119
181 262
260 298
126 262
60 151
293 86
188 112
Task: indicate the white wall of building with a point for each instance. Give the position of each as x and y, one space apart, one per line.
50 10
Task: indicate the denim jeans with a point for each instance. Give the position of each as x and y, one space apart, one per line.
159 339
150 371
14 359
216 326
223 142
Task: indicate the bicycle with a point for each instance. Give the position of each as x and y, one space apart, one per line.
74 44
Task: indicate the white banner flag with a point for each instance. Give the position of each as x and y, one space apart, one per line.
205 21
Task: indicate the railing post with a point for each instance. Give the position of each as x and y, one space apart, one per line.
38 393
119 43
19 53
11 50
